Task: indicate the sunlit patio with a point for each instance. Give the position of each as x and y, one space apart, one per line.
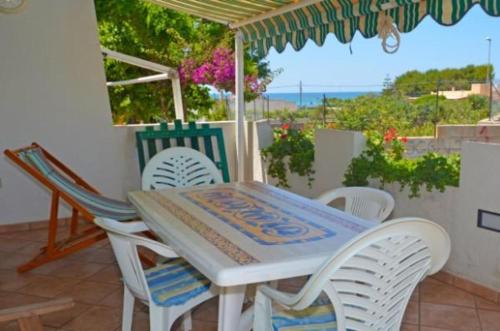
92 278
194 218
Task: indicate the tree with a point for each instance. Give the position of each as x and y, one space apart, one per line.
145 30
415 83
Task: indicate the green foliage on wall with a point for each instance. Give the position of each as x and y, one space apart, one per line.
383 161
292 149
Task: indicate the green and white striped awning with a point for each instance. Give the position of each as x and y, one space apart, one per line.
276 23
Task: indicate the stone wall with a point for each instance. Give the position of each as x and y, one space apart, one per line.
451 137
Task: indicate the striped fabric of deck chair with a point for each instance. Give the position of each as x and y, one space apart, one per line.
85 201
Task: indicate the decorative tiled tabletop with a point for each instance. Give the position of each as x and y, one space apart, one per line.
223 228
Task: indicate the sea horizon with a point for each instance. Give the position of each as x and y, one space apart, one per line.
309 99
315 98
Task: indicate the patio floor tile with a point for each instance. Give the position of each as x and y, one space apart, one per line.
114 299
109 274
90 292
434 291
486 305
92 278
97 318
49 287
77 270
449 317
412 313
60 318
10 280
490 320
12 245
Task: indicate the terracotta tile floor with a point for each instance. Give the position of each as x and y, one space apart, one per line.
92 278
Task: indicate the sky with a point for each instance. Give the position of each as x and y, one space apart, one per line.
429 46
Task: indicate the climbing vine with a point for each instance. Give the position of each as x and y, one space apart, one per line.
292 149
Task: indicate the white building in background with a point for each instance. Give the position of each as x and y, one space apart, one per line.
476 89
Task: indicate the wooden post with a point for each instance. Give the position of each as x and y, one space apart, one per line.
54 211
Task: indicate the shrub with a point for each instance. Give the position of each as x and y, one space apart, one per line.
384 160
293 149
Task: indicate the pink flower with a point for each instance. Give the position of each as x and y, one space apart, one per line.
218 71
203 74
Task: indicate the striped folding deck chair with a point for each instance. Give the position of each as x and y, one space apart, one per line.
85 201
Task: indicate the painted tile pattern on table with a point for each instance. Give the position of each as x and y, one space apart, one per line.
222 243
263 221
296 202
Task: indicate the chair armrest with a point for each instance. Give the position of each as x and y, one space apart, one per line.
132 227
263 309
328 196
158 248
283 298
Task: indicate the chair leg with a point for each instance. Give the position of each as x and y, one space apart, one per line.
31 323
187 323
159 318
54 210
73 229
128 309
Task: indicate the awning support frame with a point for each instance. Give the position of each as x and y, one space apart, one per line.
164 73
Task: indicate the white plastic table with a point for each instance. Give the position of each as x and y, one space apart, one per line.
243 233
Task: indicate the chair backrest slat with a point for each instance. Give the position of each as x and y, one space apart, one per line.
179 167
370 280
179 135
183 136
194 140
165 143
365 202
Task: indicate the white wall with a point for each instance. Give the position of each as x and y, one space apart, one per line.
334 150
475 251
52 91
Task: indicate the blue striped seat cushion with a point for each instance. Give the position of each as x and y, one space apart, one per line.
96 204
175 282
320 316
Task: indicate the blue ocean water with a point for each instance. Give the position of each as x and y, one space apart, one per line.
310 99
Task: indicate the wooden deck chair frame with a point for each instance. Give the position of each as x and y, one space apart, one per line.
76 240
192 136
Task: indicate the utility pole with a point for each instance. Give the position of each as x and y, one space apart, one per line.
489 80
268 114
324 110
436 116
300 94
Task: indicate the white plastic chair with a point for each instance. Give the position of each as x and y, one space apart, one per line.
366 285
365 202
179 167
170 289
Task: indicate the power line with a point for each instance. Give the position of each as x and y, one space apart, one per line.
433 82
